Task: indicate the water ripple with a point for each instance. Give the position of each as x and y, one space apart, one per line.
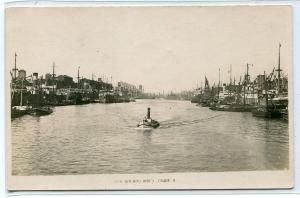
99 138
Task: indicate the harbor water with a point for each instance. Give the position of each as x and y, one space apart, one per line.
104 139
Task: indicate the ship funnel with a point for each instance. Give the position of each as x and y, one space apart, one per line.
148 113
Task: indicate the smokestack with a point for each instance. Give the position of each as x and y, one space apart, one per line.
148 113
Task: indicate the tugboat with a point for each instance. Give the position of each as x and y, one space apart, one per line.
148 122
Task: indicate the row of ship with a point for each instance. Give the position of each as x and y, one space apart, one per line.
266 96
41 103
33 97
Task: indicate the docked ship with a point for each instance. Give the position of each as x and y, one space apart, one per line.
232 97
275 107
113 97
205 97
38 107
197 96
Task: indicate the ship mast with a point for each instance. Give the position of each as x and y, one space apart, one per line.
53 76
230 79
14 76
78 78
219 86
247 75
15 69
279 70
245 82
244 93
21 102
266 89
247 79
234 85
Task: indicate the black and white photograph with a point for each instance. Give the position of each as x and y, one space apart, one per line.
149 97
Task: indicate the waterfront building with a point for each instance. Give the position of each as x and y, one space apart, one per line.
127 89
95 85
64 81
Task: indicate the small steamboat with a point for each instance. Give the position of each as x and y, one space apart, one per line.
148 122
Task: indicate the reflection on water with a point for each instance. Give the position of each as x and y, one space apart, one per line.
102 138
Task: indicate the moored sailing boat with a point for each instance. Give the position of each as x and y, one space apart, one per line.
17 110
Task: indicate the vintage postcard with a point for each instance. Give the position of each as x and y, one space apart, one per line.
149 97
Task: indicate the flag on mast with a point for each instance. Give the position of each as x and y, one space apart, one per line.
206 83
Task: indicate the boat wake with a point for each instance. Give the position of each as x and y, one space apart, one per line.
143 129
168 124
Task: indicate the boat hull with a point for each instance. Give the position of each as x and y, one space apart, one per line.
17 113
240 108
285 117
40 111
266 113
146 125
232 108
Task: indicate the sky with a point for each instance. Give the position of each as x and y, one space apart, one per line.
162 48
